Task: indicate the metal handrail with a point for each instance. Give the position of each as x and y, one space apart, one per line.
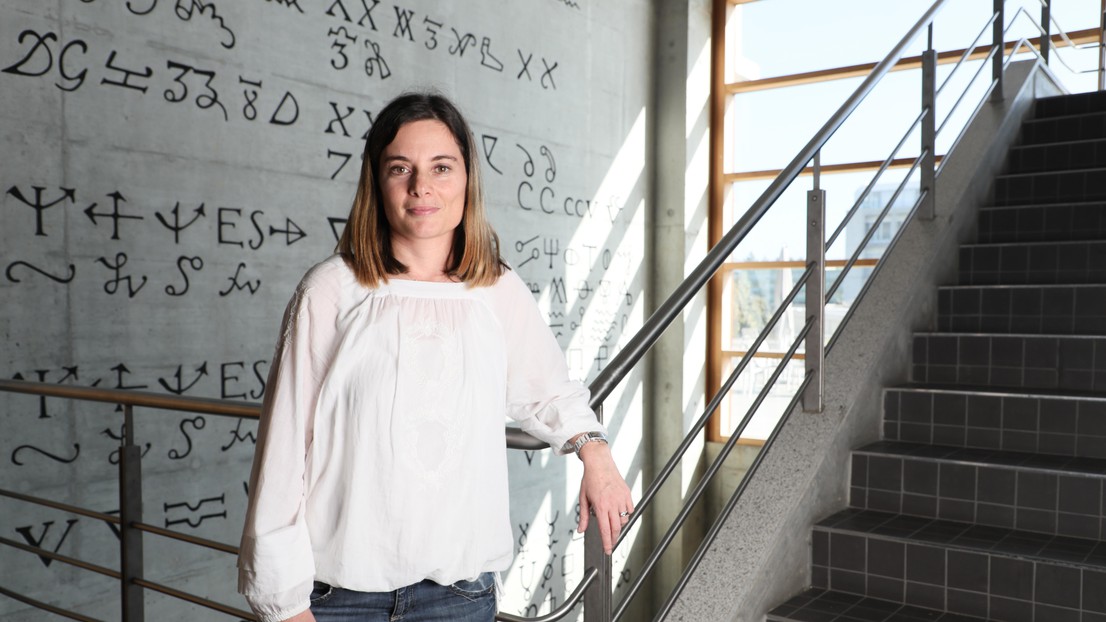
624 361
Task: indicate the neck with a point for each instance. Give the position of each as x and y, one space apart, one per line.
427 260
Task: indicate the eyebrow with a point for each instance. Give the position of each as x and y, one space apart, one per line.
402 158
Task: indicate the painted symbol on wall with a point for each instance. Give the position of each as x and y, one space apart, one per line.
112 286
38 542
176 226
113 457
115 215
14 268
197 513
40 57
40 205
22 450
180 387
196 423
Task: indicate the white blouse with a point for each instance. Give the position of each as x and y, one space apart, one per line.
381 458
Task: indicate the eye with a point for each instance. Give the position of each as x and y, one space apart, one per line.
397 169
442 168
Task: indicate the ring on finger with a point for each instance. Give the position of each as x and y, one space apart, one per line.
624 514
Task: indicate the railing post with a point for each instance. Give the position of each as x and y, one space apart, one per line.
926 211
998 48
815 290
597 599
1046 29
1102 47
130 512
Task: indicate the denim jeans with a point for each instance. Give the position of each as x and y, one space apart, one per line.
464 601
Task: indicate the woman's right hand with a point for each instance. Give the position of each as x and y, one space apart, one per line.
304 616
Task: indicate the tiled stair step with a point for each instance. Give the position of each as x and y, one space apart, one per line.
1082 184
1064 105
1065 362
989 573
1036 223
818 605
1060 425
1034 263
1079 126
1051 495
1047 309
1079 154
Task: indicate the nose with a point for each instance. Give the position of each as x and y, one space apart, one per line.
417 185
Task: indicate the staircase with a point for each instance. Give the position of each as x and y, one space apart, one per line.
986 500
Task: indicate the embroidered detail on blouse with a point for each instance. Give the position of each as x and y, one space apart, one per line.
431 354
293 312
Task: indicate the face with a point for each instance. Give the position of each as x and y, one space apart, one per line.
423 182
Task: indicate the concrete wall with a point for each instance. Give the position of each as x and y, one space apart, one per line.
762 554
170 170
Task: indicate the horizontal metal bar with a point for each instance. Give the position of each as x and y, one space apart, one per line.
72 561
516 438
845 167
196 600
146 399
560 612
785 264
64 507
38 604
180 537
1078 37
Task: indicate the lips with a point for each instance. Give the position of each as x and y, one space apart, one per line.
421 210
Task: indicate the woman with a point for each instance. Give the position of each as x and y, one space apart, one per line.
379 484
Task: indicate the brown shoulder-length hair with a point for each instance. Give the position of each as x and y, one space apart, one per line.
366 242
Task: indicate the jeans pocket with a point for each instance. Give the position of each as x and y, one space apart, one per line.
320 592
480 587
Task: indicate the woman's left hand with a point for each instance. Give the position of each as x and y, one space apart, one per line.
604 493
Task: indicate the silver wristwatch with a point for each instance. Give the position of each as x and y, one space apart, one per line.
584 439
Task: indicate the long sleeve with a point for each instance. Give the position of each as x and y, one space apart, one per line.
540 394
276 564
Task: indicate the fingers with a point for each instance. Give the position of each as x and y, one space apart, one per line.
607 527
585 510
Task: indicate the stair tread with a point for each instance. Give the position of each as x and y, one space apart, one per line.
1093 169
1059 394
1072 551
1032 243
1070 465
1091 203
817 605
1063 117
1058 143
